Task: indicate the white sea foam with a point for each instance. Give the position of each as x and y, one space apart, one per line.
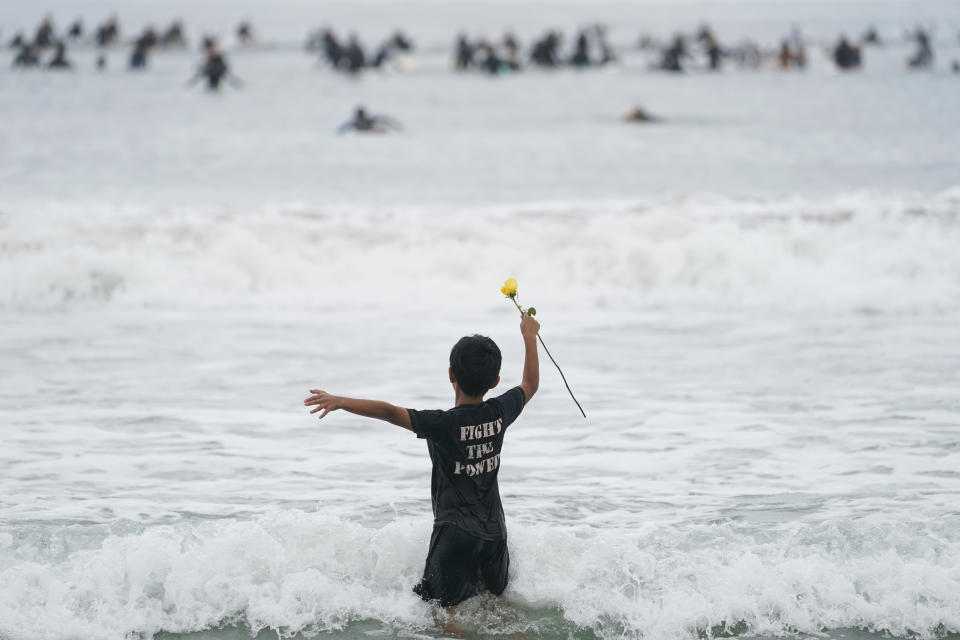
852 252
295 571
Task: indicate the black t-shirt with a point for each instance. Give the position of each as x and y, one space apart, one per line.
464 444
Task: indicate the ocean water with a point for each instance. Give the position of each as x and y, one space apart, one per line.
756 301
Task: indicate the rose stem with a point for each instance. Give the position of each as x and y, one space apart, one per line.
549 355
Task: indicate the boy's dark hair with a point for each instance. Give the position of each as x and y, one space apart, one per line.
475 361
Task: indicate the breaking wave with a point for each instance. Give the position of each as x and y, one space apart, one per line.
853 252
292 571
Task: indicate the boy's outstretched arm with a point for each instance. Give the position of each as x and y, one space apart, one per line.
321 400
531 360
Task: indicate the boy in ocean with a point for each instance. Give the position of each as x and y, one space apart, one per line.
468 546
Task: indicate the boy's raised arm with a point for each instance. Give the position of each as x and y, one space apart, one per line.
321 400
531 360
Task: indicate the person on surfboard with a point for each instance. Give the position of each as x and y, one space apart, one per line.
468 547
363 122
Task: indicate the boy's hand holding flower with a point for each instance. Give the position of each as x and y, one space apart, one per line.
529 327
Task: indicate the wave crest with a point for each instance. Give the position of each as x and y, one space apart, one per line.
293 572
852 252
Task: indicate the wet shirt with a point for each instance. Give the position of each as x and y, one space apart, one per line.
464 445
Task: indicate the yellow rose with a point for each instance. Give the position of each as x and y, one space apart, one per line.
509 288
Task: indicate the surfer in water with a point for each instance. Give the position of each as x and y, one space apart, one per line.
923 58
141 49
245 33
846 56
362 122
214 68
59 60
27 57
639 114
468 547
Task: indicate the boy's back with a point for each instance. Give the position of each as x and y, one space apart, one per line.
465 444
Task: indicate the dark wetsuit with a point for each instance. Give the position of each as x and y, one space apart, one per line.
214 70
59 59
463 58
581 54
27 57
366 123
